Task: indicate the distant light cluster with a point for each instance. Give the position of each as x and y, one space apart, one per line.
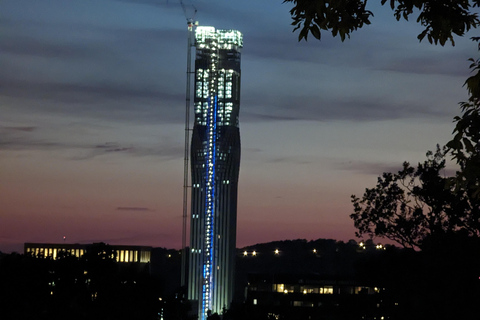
361 246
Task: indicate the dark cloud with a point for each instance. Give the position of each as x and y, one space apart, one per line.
147 2
22 138
140 77
366 109
247 116
112 72
96 43
433 64
112 147
164 151
131 61
31 46
378 168
76 93
109 101
251 150
372 49
133 209
18 144
290 160
154 3
24 129
122 74
369 168
283 47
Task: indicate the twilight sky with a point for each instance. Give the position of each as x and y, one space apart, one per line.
92 96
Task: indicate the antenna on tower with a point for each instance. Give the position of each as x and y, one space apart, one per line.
189 11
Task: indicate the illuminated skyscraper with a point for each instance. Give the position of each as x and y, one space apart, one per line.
215 155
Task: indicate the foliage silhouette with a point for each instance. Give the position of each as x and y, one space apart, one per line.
442 19
465 146
415 203
92 287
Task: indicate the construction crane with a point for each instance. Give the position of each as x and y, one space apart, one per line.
190 16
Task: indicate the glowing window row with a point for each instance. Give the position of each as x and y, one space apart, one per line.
122 255
225 38
54 252
201 90
133 256
285 288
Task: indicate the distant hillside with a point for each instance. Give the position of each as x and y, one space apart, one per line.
326 258
323 257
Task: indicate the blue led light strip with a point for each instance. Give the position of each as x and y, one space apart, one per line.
208 252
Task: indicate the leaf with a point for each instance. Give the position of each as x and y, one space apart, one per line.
468 145
315 31
303 33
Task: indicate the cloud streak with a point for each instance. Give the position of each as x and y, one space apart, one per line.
138 209
368 168
108 101
343 109
21 129
22 139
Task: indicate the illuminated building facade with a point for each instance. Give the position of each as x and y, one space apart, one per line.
215 164
127 254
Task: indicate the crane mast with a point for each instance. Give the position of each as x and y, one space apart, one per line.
186 185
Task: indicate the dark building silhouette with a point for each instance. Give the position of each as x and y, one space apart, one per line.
215 155
310 296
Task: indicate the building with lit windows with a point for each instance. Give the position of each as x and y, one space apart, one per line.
135 254
215 154
311 296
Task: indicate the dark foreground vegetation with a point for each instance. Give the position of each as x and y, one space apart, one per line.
439 282
91 287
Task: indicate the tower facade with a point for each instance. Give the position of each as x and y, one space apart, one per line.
215 164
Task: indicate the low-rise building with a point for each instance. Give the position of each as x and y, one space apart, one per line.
123 254
283 296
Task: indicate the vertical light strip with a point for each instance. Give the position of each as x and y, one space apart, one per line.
208 252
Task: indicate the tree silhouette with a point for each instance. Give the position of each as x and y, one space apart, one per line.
442 19
91 287
465 145
415 203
